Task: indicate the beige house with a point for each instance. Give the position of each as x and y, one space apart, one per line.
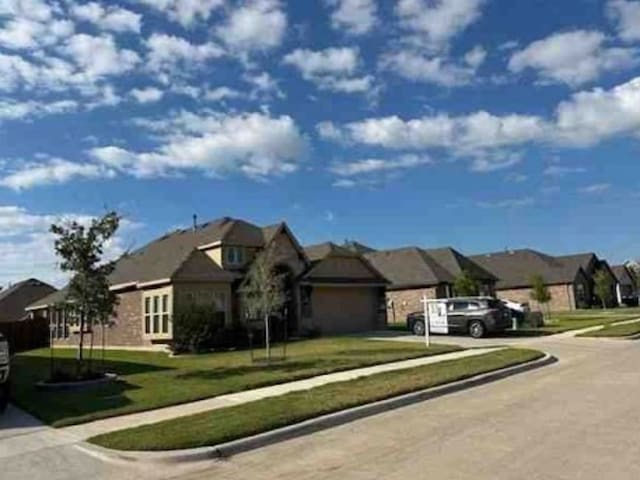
415 272
327 290
567 282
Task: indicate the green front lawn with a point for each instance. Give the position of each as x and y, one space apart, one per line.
153 380
559 323
615 331
226 424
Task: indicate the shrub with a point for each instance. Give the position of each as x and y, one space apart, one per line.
196 328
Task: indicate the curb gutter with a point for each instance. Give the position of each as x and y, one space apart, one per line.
309 426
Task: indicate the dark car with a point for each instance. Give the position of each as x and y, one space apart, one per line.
4 373
476 316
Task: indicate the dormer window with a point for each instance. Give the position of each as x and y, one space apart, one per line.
234 255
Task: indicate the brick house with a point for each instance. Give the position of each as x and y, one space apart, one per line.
206 265
591 264
626 288
17 297
569 285
415 272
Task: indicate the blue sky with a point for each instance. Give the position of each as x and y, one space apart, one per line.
481 124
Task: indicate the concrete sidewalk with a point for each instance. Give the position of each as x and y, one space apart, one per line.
91 429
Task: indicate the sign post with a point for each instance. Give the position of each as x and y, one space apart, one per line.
425 305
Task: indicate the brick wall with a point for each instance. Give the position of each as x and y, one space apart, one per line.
126 328
400 303
562 297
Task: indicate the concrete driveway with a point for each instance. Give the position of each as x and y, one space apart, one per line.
579 418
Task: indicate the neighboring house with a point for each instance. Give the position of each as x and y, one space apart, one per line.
591 264
342 292
626 288
206 265
567 282
19 296
415 272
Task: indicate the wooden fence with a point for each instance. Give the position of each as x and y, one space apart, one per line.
26 334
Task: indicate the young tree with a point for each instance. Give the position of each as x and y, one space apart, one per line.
263 290
465 285
81 250
540 293
602 286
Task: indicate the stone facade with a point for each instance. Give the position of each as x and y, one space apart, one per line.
401 303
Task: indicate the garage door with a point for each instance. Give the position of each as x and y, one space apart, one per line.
345 309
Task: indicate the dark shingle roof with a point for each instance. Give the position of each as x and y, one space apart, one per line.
165 257
456 263
515 268
579 260
19 296
409 267
358 247
336 264
54 298
622 275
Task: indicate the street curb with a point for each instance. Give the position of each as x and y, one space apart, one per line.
310 426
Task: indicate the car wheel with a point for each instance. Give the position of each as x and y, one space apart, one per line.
476 329
418 328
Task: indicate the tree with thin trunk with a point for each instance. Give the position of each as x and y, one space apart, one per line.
541 294
465 285
602 286
81 251
263 291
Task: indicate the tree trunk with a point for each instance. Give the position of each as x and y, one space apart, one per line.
266 337
80 346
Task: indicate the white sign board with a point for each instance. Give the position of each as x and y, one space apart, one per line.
438 317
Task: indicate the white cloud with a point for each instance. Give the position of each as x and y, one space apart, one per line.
435 24
561 171
255 25
626 15
16 110
585 119
331 69
99 56
372 165
574 58
112 18
222 93
254 144
185 12
595 189
476 56
590 117
492 161
415 66
355 17
147 95
24 33
25 234
167 53
509 203
53 171
264 86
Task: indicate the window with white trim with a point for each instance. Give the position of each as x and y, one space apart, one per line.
157 314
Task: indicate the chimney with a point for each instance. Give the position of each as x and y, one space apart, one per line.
195 222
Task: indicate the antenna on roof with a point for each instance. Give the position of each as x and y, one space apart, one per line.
195 222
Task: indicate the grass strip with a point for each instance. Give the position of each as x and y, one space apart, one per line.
226 424
150 380
615 331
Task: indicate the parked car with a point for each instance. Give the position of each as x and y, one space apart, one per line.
4 373
476 316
